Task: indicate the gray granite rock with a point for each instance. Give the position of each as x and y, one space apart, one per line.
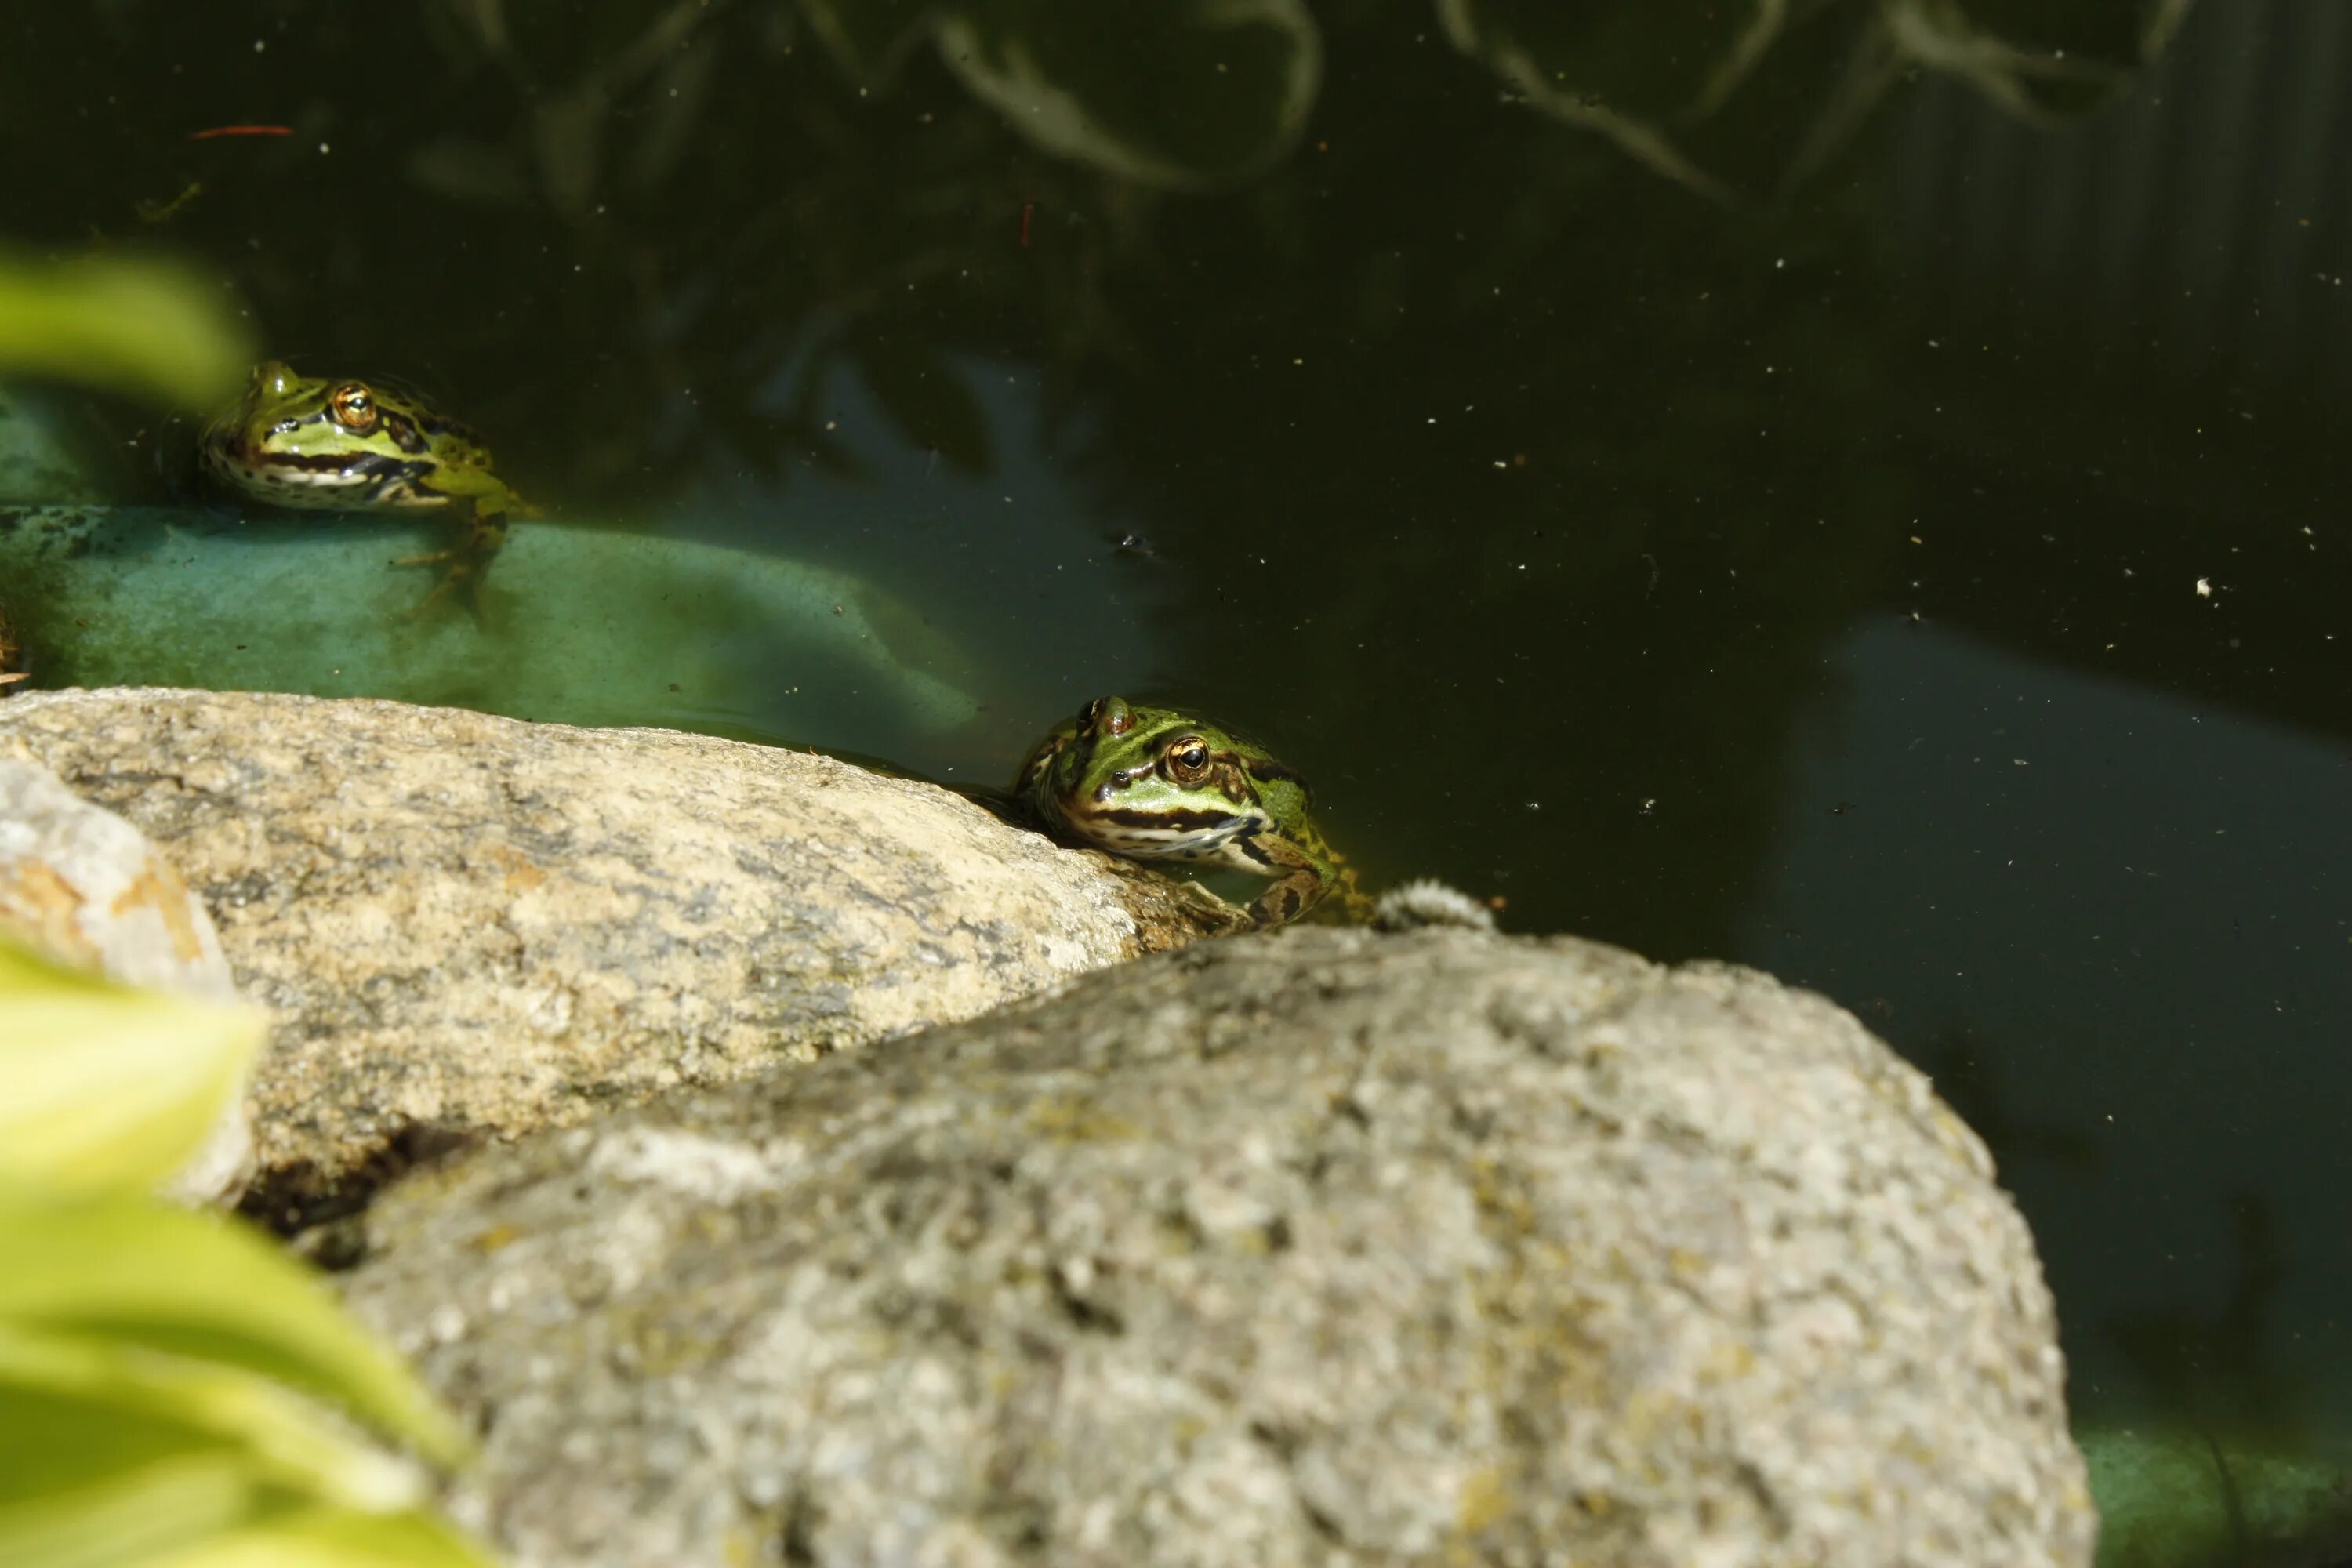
1322 1248
472 925
82 886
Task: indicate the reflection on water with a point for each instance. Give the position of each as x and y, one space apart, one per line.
1795 555
2088 884
988 534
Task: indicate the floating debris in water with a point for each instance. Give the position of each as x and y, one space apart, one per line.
1426 902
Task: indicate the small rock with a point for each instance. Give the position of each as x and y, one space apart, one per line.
82 886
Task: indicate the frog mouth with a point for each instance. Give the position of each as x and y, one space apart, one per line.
1182 833
325 479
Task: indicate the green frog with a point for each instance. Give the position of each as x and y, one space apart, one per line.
317 444
1153 783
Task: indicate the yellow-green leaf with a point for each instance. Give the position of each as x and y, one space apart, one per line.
106 1086
333 1538
140 326
154 1493
132 1509
175 1406
199 1286
117 1494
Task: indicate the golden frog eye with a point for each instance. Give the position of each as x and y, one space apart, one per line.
353 406
1188 759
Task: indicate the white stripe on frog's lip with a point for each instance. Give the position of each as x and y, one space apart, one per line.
1173 834
358 482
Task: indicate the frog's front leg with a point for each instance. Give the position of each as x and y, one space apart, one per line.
465 563
1306 871
1288 899
1301 880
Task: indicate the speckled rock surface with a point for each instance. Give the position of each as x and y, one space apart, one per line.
474 924
1325 1247
82 886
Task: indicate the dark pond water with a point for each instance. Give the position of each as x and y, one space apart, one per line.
1880 521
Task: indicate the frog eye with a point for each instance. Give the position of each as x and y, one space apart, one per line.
1107 716
1188 759
353 406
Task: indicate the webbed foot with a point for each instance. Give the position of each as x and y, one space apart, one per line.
464 565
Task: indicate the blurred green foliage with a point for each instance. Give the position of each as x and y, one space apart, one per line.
174 1389
140 326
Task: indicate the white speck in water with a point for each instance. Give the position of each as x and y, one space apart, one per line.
259 45
322 149
2204 587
